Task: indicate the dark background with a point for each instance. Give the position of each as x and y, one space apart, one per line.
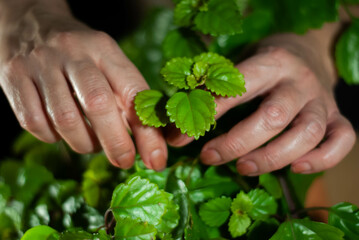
119 18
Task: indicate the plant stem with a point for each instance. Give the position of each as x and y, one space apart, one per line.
287 195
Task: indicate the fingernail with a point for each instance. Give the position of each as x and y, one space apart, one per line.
210 156
247 168
301 167
157 160
124 160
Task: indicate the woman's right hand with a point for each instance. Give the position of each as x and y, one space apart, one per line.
66 81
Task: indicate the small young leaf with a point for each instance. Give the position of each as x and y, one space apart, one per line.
200 69
347 55
242 203
306 229
184 12
264 204
130 229
182 43
225 80
175 71
139 198
216 211
39 232
212 58
220 17
150 108
271 184
345 216
238 224
193 112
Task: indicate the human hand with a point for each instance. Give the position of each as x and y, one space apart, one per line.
297 91
67 81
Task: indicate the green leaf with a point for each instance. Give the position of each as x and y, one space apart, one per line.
347 55
306 229
170 219
25 142
130 229
185 11
5 194
200 69
262 229
9 170
264 204
193 112
102 235
182 43
345 216
30 181
215 183
39 233
150 108
180 195
212 58
271 184
220 17
299 16
225 80
189 173
139 198
256 26
158 178
176 71
238 224
216 211
76 234
61 190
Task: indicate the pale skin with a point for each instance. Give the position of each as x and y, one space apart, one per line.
66 81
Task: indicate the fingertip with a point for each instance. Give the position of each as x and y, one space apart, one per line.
124 161
158 159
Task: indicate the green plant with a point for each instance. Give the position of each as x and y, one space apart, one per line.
84 197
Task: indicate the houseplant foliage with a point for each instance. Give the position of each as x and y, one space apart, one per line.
49 192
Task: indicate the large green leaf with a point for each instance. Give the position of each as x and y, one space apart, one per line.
225 80
76 234
182 43
213 184
219 17
347 54
170 219
299 16
184 12
150 108
216 211
264 204
193 112
139 198
306 229
180 194
241 203
176 71
345 216
212 58
130 229
271 184
39 233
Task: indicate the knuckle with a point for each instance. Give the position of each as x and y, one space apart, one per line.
67 119
270 158
40 52
234 146
15 65
279 53
63 38
31 122
314 130
275 116
98 100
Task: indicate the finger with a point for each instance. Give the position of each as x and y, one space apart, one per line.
64 113
126 82
307 131
340 140
25 101
98 102
261 72
273 115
